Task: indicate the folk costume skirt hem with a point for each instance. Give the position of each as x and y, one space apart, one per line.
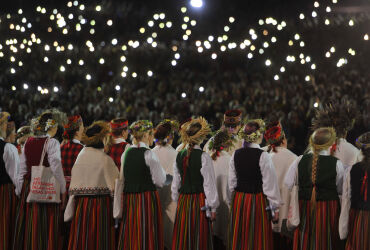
8 203
318 229
141 227
92 226
358 230
192 229
249 226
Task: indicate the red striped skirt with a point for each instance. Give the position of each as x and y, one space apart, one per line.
92 225
192 229
8 202
249 226
358 230
141 227
37 224
319 230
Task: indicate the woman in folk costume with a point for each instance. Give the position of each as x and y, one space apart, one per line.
22 135
9 162
92 187
282 158
232 123
320 179
253 182
182 145
37 224
164 134
141 226
341 116
72 146
116 140
356 190
221 142
194 189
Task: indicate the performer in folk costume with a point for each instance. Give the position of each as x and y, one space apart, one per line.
253 182
232 123
141 226
72 146
182 145
37 224
320 179
282 158
10 133
357 188
116 143
9 162
341 116
194 189
164 134
22 135
221 142
92 187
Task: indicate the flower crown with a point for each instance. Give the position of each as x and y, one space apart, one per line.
141 126
226 142
252 137
73 122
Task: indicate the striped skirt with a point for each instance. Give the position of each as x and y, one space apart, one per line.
358 230
92 226
192 229
37 224
249 226
319 230
8 201
141 227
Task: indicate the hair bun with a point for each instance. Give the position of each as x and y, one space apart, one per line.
93 130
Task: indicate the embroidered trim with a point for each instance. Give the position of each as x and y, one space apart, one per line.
90 191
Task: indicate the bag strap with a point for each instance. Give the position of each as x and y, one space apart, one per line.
43 152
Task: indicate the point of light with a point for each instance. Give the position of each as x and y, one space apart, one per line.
110 99
201 89
315 104
25 86
56 89
183 95
117 87
150 73
196 3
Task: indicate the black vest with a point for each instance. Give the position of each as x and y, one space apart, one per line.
4 177
248 171
357 197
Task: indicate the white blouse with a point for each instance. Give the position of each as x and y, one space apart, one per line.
290 178
269 180
167 156
209 181
348 154
55 162
152 161
11 160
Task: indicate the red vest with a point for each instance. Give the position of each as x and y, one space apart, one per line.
33 150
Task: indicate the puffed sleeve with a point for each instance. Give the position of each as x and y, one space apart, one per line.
290 177
11 160
175 183
209 182
345 204
156 170
54 158
21 173
270 183
232 175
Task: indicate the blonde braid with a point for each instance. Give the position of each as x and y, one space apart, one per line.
315 158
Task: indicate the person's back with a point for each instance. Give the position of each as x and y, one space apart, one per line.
347 153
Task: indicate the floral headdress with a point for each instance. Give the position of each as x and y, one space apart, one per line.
197 137
222 140
141 126
57 118
363 142
23 131
252 137
274 133
118 125
74 123
174 127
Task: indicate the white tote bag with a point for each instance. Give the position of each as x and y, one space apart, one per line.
293 213
44 187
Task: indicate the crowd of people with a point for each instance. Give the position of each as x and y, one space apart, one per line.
115 185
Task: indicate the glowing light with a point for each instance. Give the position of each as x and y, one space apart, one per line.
276 77
183 9
332 49
301 44
327 21
62 68
313 66
14 88
109 22
117 87
173 62
196 3
69 61
56 89
88 77
183 95
81 62
162 16
282 69
351 22
327 54
101 60
214 56
98 8
177 56
301 16
12 71
193 22
25 86
150 73
316 4
231 19
123 58
366 37
265 44
297 37
328 9
134 75
307 78
114 41
201 89
150 23
314 14
268 62
273 39
110 99
250 55
210 38
223 48
316 104
169 24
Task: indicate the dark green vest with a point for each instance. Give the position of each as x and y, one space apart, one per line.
192 179
326 188
137 174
